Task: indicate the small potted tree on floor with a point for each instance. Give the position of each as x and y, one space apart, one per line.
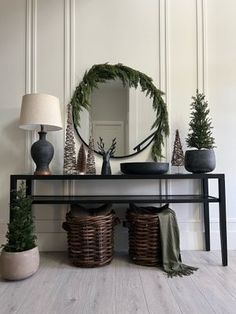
20 255
202 158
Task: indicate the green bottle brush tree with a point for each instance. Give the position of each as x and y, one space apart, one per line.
200 134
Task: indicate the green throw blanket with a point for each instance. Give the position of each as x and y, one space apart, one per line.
170 243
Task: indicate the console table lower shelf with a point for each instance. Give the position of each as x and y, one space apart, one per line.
203 198
121 199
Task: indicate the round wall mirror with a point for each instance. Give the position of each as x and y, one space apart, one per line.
119 112
116 101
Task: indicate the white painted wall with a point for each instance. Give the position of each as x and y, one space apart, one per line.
47 45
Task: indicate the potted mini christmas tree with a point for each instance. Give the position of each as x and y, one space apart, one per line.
202 158
20 255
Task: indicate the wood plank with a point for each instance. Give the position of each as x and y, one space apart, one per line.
225 275
44 293
231 257
188 296
19 292
86 291
208 282
122 287
157 291
100 290
130 297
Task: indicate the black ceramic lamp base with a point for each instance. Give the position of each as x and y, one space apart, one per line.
42 153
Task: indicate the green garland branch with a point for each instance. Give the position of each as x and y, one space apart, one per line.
100 73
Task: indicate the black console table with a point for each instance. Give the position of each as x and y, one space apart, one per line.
203 198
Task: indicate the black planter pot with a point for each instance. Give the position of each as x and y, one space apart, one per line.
200 161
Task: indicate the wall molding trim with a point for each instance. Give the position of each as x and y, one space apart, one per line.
69 49
163 50
31 47
69 69
30 71
201 45
163 47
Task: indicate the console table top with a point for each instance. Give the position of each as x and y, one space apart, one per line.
118 176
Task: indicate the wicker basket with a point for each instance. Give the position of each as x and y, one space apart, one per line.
90 239
144 238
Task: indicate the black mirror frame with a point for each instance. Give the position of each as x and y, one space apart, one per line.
115 157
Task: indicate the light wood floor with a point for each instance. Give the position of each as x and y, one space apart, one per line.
123 287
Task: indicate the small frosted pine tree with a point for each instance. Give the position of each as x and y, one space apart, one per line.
81 161
91 167
178 154
69 150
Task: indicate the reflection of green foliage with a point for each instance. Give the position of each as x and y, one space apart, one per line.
100 73
20 235
200 135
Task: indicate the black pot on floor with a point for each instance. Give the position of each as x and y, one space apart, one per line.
200 160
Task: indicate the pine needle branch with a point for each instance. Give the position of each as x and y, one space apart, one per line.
100 73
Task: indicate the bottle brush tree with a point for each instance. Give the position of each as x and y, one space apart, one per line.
200 134
81 160
69 150
21 232
178 154
90 164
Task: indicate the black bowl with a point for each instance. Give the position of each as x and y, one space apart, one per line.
144 167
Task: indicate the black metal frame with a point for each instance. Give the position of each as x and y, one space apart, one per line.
203 198
139 150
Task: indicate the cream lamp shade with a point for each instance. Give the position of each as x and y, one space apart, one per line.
40 109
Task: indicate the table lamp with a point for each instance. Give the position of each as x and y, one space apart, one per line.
41 111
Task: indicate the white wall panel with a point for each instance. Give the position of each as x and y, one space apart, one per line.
182 62
12 87
50 62
117 31
221 69
182 82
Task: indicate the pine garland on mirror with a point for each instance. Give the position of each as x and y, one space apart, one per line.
100 73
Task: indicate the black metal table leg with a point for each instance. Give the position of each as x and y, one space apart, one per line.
222 216
28 187
13 188
206 213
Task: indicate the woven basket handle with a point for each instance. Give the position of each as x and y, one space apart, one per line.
65 226
116 221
